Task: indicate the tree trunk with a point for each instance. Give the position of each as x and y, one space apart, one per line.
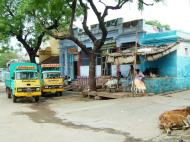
32 58
92 72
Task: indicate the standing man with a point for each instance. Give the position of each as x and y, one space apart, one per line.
130 75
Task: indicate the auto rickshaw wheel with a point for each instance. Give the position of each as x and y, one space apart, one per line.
14 99
37 98
8 92
60 93
9 96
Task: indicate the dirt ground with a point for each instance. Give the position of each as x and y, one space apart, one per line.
76 119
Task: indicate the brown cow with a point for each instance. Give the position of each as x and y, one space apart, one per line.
175 119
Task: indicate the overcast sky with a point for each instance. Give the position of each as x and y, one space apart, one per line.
175 13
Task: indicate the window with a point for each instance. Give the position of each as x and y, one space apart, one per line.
26 75
127 45
51 75
131 24
84 59
98 60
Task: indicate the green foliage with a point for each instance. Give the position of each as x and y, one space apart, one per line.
158 24
4 49
29 17
49 11
5 56
11 20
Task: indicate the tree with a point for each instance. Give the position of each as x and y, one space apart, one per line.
158 24
16 21
73 10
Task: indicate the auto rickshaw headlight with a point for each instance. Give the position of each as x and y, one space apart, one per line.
19 90
37 89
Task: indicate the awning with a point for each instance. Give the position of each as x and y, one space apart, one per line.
150 54
154 53
120 58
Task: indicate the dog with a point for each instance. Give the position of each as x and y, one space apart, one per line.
175 119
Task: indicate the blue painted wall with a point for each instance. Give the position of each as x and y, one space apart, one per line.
166 65
177 69
66 59
183 60
167 84
183 66
174 68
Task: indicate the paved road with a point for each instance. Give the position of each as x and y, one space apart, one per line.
2 87
76 119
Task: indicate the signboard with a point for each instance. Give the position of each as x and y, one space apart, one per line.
25 68
50 65
72 50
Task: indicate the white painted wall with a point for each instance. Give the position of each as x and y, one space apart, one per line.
124 69
84 70
98 70
114 70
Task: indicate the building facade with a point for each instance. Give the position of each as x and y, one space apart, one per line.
121 36
170 65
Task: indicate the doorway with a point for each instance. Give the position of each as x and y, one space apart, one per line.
75 69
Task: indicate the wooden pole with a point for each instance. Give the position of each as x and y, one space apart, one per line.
135 55
78 64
